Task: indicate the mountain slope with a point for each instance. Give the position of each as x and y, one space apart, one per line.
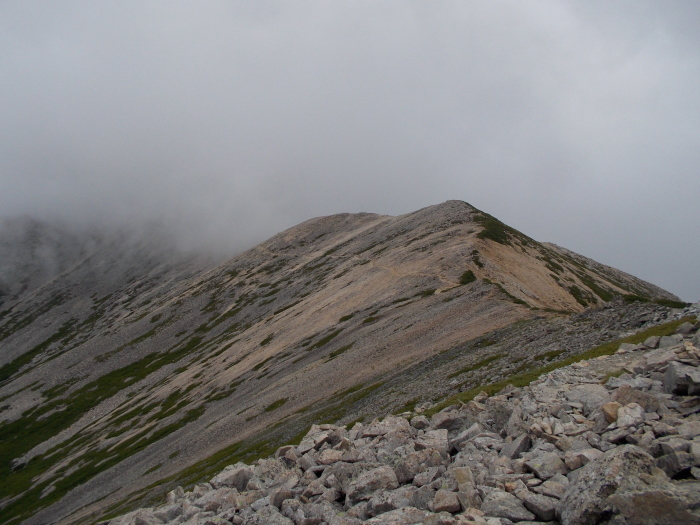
125 365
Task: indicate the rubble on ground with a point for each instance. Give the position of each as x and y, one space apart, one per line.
574 447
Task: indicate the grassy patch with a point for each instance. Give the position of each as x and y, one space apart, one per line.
339 351
152 469
346 318
277 404
549 355
266 340
476 366
325 340
467 277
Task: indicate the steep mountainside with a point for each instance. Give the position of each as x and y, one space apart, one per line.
124 365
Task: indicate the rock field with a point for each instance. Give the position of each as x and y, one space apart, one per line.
582 445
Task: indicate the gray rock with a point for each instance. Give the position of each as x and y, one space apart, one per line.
420 422
591 396
446 501
236 476
586 498
546 465
670 340
676 463
660 357
435 439
652 341
655 506
541 506
501 504
405 516
675 380
686 329
381 478
516 447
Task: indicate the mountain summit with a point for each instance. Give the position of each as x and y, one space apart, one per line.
123 366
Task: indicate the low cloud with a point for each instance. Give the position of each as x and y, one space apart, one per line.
229 121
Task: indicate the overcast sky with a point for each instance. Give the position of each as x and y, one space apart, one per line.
575 122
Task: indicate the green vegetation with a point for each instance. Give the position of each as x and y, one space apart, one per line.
152 469
339 351
40 423
577 294
671 303
476 366
426 293
633 298
526 378
156 318
371 319
277 404
346 318
11 368
497 231
410 406
549 355
266 340
467 277
475 258
325 340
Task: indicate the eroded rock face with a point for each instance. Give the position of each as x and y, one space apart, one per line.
566 450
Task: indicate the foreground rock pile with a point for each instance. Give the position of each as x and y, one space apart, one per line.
574 448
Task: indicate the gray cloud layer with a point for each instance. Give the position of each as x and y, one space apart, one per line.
575 122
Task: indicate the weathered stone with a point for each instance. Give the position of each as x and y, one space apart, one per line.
689 430
675 381
236 476
466 435
463 476
686 329
516 447
541 506
446 501
618 470
609 410
435 439
420 422
655 506
381 478
590 396
277 497
630 415
626 395
404 516
407 467
546 465
660 357
675 463
329 456
670 340
501 504
551 488
652 341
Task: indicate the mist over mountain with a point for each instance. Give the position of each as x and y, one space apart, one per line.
229 122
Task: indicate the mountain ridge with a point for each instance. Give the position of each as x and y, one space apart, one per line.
194 357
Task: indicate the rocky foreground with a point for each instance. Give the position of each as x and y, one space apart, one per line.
579 446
